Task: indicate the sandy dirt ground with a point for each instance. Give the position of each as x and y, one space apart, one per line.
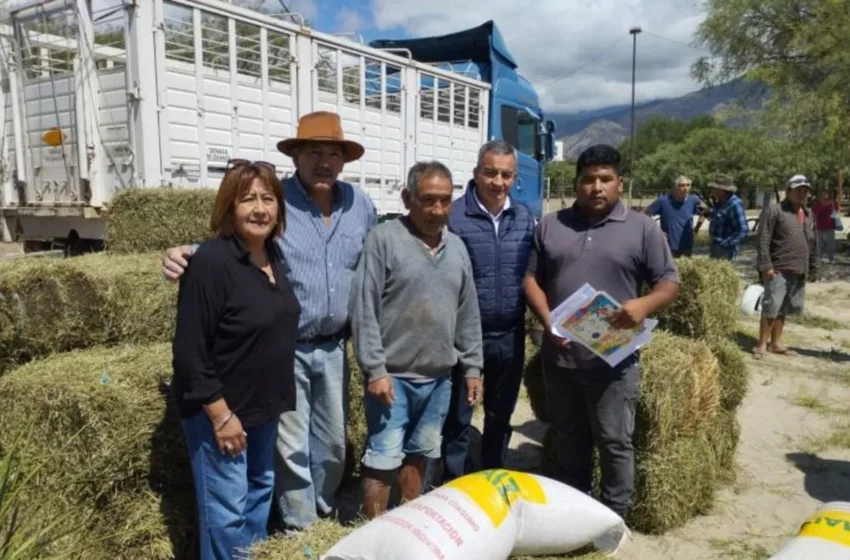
791 457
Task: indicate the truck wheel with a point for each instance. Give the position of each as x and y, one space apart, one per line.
35 245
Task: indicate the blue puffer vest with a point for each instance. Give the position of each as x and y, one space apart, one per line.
498 263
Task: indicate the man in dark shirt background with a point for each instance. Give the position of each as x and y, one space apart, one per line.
787 258
677 211
601 242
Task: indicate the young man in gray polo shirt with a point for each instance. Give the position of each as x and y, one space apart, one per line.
414 316
601 242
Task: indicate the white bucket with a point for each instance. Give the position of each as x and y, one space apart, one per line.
751 302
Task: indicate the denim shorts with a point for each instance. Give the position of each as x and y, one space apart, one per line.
783 295
411 425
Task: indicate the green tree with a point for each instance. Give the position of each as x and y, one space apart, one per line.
658 131
799 48
561 175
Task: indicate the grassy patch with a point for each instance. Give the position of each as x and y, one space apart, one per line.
832 372
811 402
739 549
817 322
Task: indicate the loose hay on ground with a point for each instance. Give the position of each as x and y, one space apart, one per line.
707 305
114 446
54 305
153 219
311 543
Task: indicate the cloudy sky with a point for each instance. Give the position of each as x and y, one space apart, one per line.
578 53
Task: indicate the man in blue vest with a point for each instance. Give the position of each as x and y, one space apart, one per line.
498 232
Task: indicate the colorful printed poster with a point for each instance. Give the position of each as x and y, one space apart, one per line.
584 318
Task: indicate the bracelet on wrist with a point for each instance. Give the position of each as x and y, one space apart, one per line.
226 420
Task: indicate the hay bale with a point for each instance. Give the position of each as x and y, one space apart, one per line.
707 305
56 305
680 388
154 219
532 378
674 482
356 428
676 464
734 377
724 437
116 452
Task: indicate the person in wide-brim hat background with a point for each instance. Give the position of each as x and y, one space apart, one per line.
728 220
323 127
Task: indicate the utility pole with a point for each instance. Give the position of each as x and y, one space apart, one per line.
634 33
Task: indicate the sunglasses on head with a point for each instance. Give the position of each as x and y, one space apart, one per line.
234 163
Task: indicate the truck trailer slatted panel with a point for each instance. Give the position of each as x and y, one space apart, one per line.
166 92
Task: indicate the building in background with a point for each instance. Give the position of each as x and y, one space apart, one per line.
559 151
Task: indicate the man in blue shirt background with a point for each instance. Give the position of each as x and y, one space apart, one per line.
677 211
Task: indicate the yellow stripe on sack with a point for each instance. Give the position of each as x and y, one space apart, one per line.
828 525
495 491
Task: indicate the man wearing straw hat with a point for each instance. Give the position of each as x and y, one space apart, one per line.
728 221
327 222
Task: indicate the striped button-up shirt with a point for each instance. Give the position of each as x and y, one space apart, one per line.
321 260
728 223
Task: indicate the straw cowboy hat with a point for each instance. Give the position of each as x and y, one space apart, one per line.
321 126
724 183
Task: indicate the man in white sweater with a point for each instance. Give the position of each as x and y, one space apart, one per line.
414 316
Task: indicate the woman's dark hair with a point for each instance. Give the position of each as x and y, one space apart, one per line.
233 186
600 154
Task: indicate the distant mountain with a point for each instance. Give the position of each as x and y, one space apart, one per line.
601 131
612 124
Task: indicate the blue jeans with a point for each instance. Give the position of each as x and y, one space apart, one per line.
504 357
595 407
310 457
717 251
411 425
234 494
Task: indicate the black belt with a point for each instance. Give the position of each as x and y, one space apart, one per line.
324 338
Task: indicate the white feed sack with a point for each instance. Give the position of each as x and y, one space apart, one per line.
824 536
488 515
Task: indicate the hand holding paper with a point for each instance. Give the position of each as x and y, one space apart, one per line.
602 325
630 315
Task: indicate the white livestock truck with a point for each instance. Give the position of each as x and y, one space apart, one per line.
150 93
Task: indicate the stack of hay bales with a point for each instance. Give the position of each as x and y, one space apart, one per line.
115 456
142 220
55 305
693 379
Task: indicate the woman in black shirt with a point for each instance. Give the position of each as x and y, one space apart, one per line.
234 353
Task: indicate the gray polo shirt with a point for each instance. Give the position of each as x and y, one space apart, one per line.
617 255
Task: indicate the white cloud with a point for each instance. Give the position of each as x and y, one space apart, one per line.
348 20
307 8
565 47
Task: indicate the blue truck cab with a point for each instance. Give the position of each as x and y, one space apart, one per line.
515 114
